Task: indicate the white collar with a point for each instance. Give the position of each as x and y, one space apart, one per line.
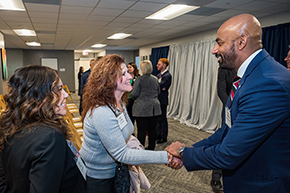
164 71
245 64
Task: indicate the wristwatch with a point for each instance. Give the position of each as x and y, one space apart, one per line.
180 150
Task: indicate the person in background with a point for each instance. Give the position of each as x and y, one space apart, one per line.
134 72
253 145
84 80
224 86
146 108
107 126
164 78
35 156
287 60
81 70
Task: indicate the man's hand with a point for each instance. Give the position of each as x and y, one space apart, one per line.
173 148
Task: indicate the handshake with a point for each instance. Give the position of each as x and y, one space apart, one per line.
175 160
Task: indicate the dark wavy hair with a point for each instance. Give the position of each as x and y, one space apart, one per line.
31 99
102 83
136 71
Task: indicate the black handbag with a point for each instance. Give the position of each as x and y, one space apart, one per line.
122 178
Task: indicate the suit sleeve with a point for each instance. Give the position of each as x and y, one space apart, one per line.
257 119
48 163
136 89
165 82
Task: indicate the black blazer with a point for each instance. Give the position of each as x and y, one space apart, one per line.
39 160
164 84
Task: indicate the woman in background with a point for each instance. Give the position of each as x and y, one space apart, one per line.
146 108
81 70
34 152
134 72
107 126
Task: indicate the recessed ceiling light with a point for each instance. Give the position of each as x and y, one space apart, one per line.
24 32
98 45
33 44
172 11
118 36
15 5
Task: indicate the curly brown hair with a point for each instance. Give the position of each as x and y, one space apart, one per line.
102 83
32 97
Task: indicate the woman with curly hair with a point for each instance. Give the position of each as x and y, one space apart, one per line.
107 126
35 156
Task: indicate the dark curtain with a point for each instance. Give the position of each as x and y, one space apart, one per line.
276 40
156 54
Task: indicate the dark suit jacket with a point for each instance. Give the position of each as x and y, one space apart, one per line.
39 161
255 152
224 83
165 83
84 80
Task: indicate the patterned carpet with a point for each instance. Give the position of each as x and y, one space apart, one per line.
166 180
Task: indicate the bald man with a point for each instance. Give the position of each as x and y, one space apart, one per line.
253 145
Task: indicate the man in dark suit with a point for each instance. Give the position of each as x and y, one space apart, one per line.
164 78
84 80
253 145
224 86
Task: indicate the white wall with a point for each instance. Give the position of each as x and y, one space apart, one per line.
275 19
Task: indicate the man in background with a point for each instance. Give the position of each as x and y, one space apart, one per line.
253 146
164 78
84 80
224 86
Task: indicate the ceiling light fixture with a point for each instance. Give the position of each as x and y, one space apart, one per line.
119 36
24 32
15 5
33 44
172 11
98 45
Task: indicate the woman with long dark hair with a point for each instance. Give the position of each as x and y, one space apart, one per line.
35 156
107 126
134 72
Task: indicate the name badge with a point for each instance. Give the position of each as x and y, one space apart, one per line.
159 80
122 121
228 117
79 162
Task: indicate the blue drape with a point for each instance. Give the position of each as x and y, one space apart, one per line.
276 40
156 54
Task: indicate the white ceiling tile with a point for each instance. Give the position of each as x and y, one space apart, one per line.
100 18
88 3
256 6
115 4
226 4
76 10
110 12
136 14
46 38
42 7
17 25
127 19
147 6
73 16
48 15
44 20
